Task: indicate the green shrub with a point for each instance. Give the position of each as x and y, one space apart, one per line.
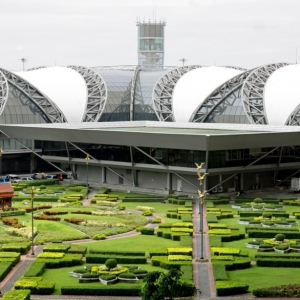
220 272
147 231
5 268
279 237
282 291
147 213
258 200
99 236
111 263
127 275
97 258
101 290
118 253
17 295
278 262
89 275
108 277
227 288
35 270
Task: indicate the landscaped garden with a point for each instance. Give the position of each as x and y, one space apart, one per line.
93 266
256 246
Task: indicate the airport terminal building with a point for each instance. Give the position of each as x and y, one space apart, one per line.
146 126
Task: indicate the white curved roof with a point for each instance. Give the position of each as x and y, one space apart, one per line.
282 94
64 86
195 86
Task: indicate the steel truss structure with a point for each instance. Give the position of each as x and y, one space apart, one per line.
162 96
235 68
49 108
294 117
133 91
37 68
3 91
253 92
96 93
221 96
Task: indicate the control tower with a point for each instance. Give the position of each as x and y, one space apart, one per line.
151 45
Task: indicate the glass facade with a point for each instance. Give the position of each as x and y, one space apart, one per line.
176 157
19 109
143 104
118 83
230 110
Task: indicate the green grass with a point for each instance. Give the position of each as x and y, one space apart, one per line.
260 277
136 243
160 209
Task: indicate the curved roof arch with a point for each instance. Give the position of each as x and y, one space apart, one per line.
163 92
49 108
96 93
65 87
235 68
253 92
220 95
195 86
3 91
282 96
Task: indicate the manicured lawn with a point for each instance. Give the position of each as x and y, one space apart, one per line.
259 277
133 243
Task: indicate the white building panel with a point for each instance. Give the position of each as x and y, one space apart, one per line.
282 94
64 86
193 88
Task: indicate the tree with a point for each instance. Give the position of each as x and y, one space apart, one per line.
161 285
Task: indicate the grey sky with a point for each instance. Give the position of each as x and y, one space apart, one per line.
245 33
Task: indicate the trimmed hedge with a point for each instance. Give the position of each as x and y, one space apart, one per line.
158 252
12 213
36 198
227 288
143 199
17 295
276 229
35 270
275 255
278 262
220 272
147 231
286 291
265 200
35 285
258 213
118 253
101 259
163 262
22 248
270 234
102 290
5 268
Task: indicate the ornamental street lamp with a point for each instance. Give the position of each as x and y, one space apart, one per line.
87 174
202 195
32 232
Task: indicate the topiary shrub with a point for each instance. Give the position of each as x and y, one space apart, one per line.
258 200
127 276
279 237
267 215
108 277
111 263
99 236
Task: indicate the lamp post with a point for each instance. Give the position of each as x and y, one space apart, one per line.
32 232
87 174
202 195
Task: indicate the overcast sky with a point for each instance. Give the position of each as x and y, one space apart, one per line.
245 33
